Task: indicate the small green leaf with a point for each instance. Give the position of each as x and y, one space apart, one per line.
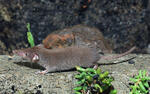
144 73
91 70
78 88
90 74
78 92
137 92
97 86
30 39
142 87
89 78
98 71
78 76
113 91
134 80
78 68
140 73
101 76
30 36
106 81
134 88
81 82
82 75
147 78
143 79
106 73
137 77
146 84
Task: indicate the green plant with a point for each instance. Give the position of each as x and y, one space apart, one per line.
30 36
140 83
93 81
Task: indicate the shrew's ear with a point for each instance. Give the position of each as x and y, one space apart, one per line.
35 58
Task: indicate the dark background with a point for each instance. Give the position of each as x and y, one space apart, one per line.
124 22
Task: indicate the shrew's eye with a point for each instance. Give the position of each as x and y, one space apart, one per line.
26 54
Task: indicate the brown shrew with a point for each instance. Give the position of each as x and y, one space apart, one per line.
63 58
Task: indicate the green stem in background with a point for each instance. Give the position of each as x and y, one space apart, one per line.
30 36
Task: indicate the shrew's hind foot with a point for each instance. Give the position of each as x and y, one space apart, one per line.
41 72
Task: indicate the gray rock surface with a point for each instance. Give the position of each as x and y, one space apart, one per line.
18 78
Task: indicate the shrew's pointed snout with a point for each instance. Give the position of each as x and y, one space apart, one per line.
14 51
19 53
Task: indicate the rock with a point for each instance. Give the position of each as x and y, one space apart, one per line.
20 78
